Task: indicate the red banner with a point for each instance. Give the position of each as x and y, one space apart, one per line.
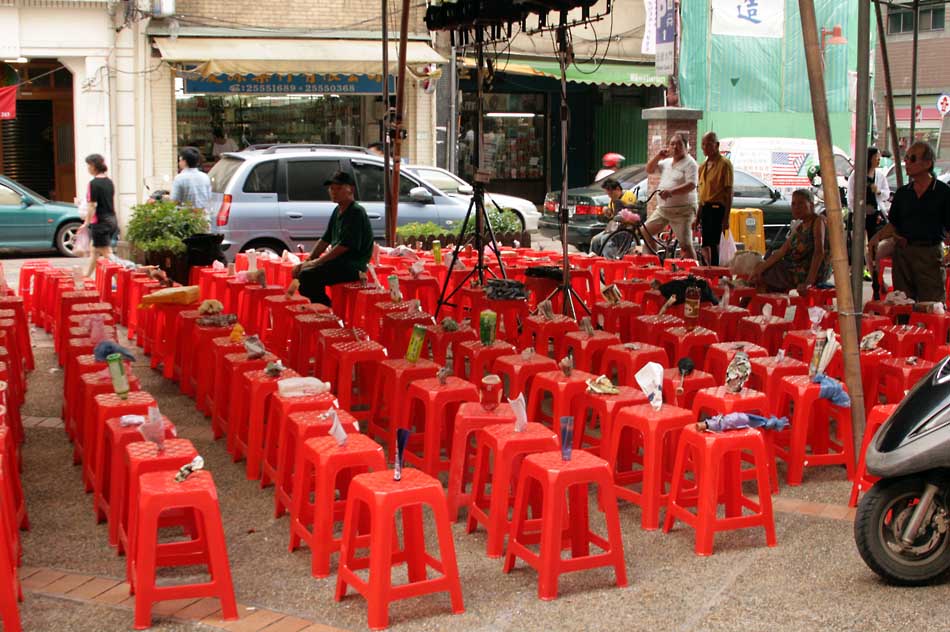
7 103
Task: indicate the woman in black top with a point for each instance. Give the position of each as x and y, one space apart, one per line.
100 216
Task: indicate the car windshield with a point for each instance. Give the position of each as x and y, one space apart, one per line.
440 180
629 176
33 194
222 173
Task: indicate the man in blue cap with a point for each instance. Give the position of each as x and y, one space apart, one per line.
349 237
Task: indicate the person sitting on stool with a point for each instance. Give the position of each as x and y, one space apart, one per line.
350 239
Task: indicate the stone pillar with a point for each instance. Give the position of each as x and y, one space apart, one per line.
661 124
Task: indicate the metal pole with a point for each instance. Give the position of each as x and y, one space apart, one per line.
387 162
859 212
452 128
913 76
889 96
393 209
562 57
839 251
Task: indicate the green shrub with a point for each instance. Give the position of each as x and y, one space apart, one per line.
419 230
161 226
502 222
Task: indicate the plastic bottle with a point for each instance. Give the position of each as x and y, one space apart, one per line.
691 306
120 381
437 252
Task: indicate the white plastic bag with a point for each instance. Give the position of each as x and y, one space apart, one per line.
727 248
81 241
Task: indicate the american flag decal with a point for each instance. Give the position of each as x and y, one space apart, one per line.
787 168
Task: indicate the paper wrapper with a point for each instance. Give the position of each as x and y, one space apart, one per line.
417 268
337 431
587 326
816 315
127 421
767 310
566 365
302 386
602 385
520 409
825 347
650 379
217 265
871 340
174 295
154 428
546 309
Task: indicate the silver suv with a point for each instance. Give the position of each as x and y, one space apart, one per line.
274 198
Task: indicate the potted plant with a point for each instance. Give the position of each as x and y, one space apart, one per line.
157 230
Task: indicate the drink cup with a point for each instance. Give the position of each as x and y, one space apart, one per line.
491 392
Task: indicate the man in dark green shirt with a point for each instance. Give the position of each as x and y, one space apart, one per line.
349 237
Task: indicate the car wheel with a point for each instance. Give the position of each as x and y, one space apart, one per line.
519 217
266 245
66 238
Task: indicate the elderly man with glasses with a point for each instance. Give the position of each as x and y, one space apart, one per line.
919 218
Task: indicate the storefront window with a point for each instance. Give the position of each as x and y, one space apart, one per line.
515 135
267 119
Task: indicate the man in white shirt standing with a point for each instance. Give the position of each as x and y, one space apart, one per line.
677 192
192 185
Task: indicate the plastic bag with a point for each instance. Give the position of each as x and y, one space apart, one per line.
81 241
727 248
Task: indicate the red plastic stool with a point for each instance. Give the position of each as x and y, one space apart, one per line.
397 329
905 341
646 329
470 418
588 350
220 349
344 359
633 290
78 366
140 287
692 384
939 324
767 374
392 381
15 304
517 371
439 342
110 469
657 431
870 372
91 384
28 276
10 590
563 390
767 331
291 487
382 497
377 312
473 360
184 352
800 344
202 362
601 410
715 460
251 305
12 493
158 491
540 333
719 355
862 480
616 318
897 313
897 377
326 337
106 407
718 400
682 342
278 413
256 388
431 407
301 349
322 464
365 298
622 362
654 300
164 336
555 476
779 303
511 314
270 311
228 391
810 425
64 309
723 319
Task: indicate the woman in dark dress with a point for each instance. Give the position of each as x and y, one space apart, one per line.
100 215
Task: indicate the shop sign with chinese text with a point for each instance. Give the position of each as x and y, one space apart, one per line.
279 83
748 18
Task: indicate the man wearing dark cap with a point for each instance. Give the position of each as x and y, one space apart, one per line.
619 199
349 237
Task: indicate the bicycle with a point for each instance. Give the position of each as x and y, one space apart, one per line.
626 235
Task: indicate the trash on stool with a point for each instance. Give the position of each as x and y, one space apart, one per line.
254 347
188 469
131 420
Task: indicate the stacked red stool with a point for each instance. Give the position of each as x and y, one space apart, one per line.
556 476
17 306
247 422
392 381
278 420
905 341
106 407
616 317
897 376
434 405
229 394
202 362
715 461
439 341
382 497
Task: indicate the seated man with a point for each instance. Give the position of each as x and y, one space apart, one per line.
619 200
350 239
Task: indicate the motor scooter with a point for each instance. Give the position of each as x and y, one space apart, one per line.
901 526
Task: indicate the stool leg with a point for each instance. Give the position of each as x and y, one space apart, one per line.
447 556
550 551
708 483
321 546
765 496
580 520
380 568
415 542
608 500
146 546
218 564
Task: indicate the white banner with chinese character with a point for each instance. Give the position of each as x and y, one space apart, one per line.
648 44
748 18
666 23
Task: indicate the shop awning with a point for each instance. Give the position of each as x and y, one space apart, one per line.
216 55
609 73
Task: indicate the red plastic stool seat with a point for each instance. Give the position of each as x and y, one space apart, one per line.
392 381
673 381
633 289
657 431
431 407
470 418
800 344
588 350
378 494
862 480
322 464
939 324
377 312
601 410
561 389
274 326
767 331
397 329
646 329
682 342
897 377
904 341
359 358
540 333
439 342
723 319
555 476
158 491
719 355
301 350
106 407
616 318
718 400
622 362
810 426
767 374
517 371
896 312
473 360
326 337
715 461
291 489
251 305
365 298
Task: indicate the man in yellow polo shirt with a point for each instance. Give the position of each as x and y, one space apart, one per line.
715 196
